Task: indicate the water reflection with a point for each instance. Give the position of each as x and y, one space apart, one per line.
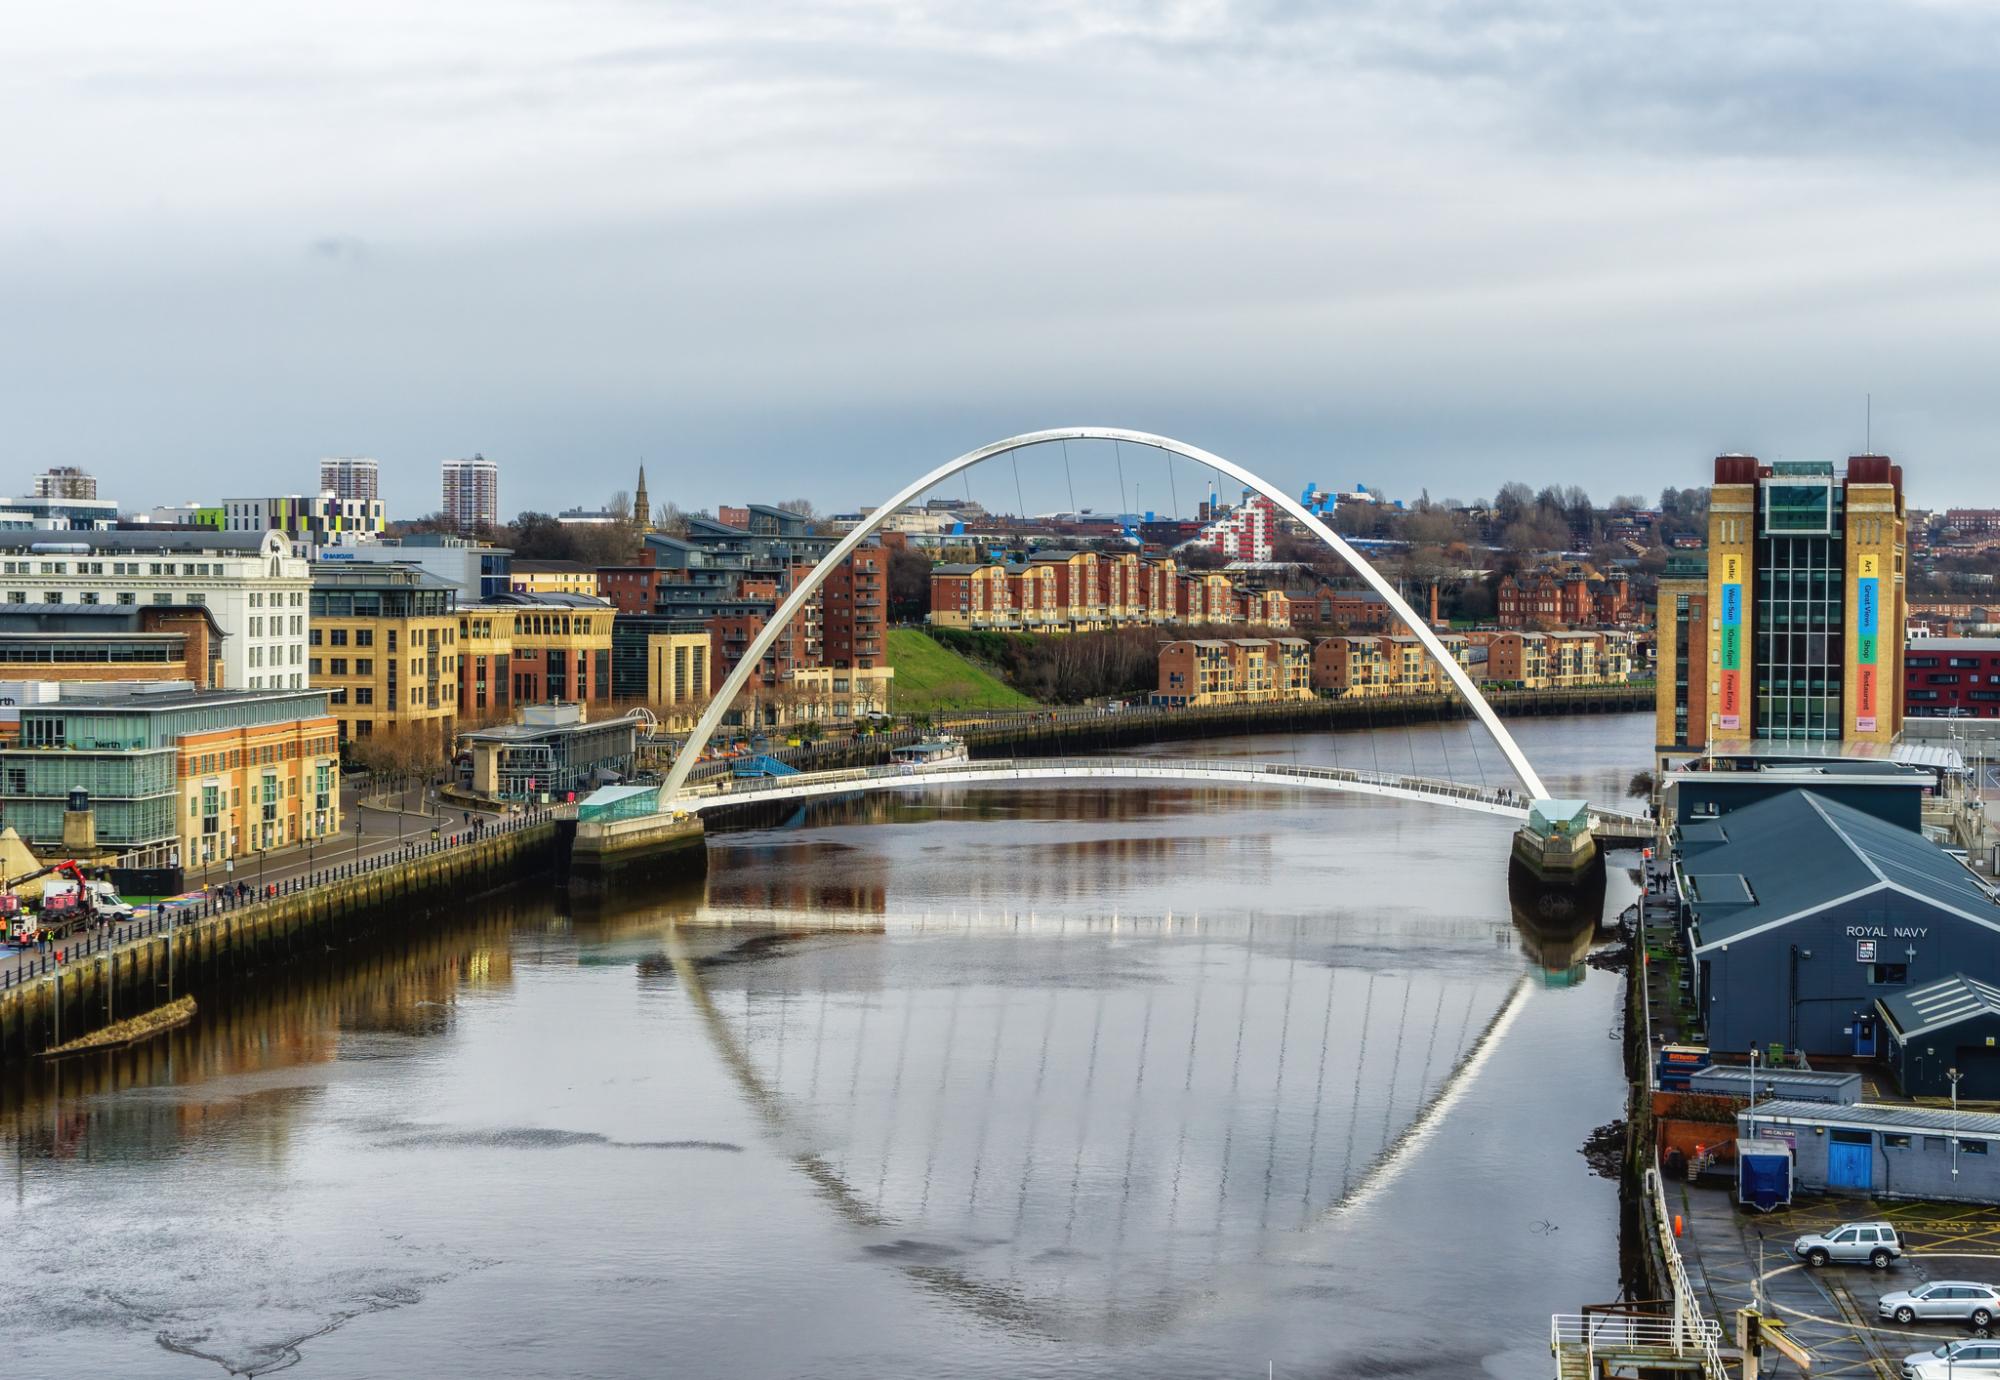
1080 1082
1079 1123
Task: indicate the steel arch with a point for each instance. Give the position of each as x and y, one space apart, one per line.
795 602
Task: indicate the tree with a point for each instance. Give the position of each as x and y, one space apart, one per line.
1641 785
670 520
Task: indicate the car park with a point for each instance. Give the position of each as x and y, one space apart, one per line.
1972 1357
1949 1300
1851 1243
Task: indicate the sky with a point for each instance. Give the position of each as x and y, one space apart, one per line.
812 249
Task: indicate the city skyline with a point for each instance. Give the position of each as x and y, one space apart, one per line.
1350 244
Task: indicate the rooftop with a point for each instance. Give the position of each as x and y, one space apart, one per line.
146 696
1870 1116
519 599
1799 851
1935 1005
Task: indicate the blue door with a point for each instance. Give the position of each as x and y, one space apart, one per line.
1864 1037
1850 1166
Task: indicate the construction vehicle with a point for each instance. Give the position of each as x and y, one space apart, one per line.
69 901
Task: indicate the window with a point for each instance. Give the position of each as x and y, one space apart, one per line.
364 695
1889 974
364 637
1892 1141
1972 1147
337 637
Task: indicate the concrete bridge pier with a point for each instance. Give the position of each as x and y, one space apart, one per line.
1556 845
608 853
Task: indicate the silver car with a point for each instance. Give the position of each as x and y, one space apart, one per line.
1954 1300
1851 1242
1952 1359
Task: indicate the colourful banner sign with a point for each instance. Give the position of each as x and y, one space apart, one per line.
1867 628
1730 716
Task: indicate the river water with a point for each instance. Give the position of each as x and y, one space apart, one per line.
1078 1081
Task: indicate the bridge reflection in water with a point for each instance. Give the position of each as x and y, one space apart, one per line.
1082 1126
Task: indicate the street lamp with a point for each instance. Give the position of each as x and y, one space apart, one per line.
1753 1090
1954 1075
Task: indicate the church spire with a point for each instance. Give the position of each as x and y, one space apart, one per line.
642 509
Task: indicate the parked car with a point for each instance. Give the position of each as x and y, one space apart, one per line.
1955 1300
1973 1357
1851 1243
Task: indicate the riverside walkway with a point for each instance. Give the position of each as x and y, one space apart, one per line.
23 965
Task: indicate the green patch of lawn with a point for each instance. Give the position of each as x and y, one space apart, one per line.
930 678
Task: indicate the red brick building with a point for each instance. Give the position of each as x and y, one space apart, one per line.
1570 594
1952 677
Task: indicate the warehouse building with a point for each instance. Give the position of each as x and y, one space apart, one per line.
1802 911
1941 1029
1884 1151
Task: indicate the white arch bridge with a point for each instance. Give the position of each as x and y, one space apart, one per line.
675 798
1612 827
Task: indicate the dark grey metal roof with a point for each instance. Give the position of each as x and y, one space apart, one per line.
1935 1005
1878 1116
1801 851
184 539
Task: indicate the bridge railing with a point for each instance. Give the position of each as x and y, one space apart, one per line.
1197 768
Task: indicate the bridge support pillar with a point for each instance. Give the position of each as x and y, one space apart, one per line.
654 846
1556 845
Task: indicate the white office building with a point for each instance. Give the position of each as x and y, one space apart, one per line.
250 581
310 520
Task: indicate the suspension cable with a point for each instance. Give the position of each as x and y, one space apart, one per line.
1070 477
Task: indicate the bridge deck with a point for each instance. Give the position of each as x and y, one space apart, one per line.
1504 802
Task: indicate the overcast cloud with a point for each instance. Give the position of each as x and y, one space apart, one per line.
809 248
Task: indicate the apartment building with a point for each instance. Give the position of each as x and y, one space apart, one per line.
1085 590
1246 532
383 643
1242 670
353 477
470 493
1953 677
216 774
1367 665
65 481
250 581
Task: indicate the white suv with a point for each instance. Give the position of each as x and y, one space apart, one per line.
1851 1243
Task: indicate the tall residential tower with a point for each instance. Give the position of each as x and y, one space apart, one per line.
472 493
354 478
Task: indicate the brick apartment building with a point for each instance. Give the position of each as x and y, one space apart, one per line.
1952 677
1237 670
1083 591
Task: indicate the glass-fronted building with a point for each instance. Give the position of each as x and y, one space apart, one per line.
218 773
1794 632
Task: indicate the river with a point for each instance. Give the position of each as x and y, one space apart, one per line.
1074 1080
